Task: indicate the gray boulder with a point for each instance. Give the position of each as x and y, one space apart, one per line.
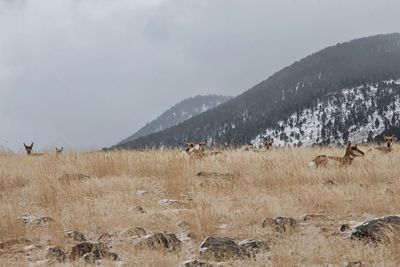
377 230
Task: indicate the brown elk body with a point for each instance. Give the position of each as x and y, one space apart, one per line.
351 153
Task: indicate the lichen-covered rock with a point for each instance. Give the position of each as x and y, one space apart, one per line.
222 248
167 241
91 252
377 230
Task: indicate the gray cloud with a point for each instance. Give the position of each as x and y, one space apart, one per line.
88 73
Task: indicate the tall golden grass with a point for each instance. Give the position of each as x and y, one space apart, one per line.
273 183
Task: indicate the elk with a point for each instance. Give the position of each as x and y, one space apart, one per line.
268 143
59 150
389 141
29 150
198 149
266 146
351 153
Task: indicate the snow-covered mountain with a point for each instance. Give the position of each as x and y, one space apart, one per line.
349 91
179 113
357 114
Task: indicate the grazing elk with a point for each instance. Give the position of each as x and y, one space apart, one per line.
29 150
389 142
351 153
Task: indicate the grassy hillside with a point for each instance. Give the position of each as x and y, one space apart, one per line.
129 189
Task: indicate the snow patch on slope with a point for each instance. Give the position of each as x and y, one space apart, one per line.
350 114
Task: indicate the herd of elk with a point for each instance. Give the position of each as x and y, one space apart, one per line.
199 149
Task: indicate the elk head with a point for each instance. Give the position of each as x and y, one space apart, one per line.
353 151
389 140
28 149
59 150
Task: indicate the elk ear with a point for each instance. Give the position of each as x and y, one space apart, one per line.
25 145
62 148
32 145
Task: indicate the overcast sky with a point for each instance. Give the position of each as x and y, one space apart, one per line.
88 73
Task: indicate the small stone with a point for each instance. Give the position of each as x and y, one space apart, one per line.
75 235
196 263
141 192
345 227
168 202
73 177
354 264
281 224
139 209
56 253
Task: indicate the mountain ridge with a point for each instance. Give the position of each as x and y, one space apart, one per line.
296 87
179 113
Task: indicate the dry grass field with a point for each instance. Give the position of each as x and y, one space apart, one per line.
159 191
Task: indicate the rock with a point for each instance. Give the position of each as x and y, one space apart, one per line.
141 192
137 231
344 227
253 246
184 224
377 230
75 235
73 177
12 242
106 237
167 241
91 252
311 217
30 219
354 264
44 221
226 176
168 202
139 209
281 224
196 263
57 254
329 182
222 248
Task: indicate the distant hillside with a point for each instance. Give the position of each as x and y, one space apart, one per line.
179 113
319 81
